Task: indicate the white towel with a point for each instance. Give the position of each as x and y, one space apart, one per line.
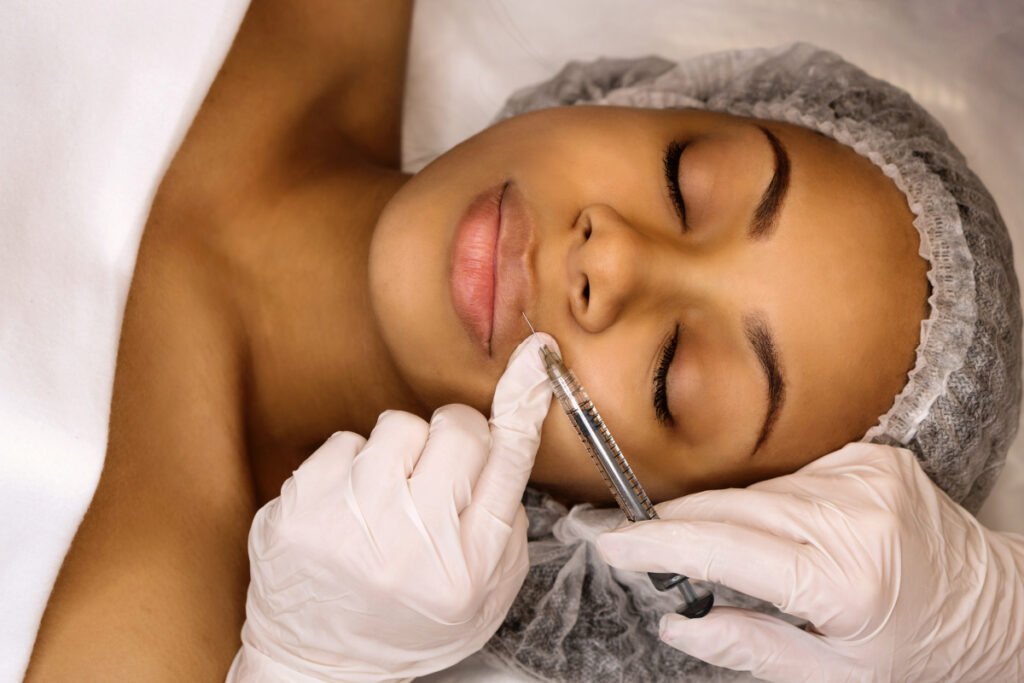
94 99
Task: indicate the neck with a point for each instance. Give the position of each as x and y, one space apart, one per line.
317 361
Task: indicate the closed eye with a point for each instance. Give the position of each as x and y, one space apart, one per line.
660 382
673 152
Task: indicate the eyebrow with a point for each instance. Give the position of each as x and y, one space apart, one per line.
760 337
766 217
766 214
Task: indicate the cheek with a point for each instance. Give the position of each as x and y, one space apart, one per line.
563 467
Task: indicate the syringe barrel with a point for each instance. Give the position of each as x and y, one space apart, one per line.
598 440
617 473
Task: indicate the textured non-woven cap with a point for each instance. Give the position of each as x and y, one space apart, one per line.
959 408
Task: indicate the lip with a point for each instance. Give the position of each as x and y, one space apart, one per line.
471 278
514 283
490 277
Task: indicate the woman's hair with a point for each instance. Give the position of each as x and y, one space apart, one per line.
578 619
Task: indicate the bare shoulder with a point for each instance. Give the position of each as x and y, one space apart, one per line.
153 586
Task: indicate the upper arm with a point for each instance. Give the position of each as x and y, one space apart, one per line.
153 587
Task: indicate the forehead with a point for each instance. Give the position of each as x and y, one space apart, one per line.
845 289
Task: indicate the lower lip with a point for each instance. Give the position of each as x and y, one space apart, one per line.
472 268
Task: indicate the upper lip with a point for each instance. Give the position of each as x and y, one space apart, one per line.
514 268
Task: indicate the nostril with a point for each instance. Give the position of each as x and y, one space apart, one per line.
586 292
587 230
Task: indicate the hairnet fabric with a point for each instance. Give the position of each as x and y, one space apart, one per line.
577 619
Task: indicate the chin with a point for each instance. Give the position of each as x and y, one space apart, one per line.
409 294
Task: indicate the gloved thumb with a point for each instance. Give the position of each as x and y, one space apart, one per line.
521 402
734 638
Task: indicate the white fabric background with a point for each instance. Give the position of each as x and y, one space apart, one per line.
95 96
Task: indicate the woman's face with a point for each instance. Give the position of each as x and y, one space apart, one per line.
738 296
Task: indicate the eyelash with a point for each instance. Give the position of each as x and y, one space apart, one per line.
670 162
668 352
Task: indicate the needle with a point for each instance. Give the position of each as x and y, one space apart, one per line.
532 331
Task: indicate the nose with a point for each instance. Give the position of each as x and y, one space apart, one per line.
606 267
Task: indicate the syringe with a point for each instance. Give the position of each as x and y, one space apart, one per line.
617 473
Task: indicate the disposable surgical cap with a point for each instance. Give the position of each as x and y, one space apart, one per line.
577 619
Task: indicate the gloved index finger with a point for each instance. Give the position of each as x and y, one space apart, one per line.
521 402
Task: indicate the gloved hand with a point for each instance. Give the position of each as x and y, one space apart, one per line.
899 582
397 556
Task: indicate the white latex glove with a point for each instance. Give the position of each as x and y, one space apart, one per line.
901 583
397 556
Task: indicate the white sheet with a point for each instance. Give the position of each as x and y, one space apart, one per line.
94 98
96 94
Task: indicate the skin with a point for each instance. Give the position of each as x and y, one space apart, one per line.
292 282
838 281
